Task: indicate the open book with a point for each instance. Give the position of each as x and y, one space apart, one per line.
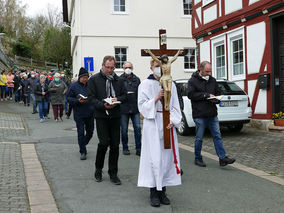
110 102
82 96
216 97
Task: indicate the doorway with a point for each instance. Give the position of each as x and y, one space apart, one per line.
277 35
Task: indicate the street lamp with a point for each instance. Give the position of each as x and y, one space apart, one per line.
1 34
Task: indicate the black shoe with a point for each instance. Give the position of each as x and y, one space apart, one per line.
138 152
67 117
181 172
34 112
154 197
126 152
163 198
28 105
226 160
83 157
199 162
98 175
115 180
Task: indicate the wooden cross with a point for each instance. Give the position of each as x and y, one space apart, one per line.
159 52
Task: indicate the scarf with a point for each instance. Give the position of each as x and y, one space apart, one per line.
109 87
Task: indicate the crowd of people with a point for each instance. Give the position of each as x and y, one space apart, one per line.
111 101
42 90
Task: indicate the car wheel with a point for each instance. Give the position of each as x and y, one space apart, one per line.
236 127
184 129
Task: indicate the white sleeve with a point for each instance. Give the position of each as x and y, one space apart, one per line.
175 113
146 106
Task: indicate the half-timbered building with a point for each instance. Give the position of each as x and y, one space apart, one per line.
244 41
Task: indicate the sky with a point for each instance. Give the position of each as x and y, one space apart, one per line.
35 7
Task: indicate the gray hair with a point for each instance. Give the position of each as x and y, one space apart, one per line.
128 62
42 76
203 64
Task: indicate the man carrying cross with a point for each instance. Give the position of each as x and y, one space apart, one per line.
159 162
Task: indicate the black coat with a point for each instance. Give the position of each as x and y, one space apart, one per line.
198 91
97 93
38 91
82 110
131 85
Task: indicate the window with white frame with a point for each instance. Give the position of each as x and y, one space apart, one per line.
187 7
190 59
238 57
220 61
236 54
119 6
120 57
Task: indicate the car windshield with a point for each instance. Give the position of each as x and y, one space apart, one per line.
230 88
182 89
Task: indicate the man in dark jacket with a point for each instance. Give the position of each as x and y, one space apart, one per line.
202 86
83 111
129 109
31 83
106 84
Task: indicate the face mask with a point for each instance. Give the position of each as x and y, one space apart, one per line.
128 71
33 76
56 80
206 77
157 72
62 75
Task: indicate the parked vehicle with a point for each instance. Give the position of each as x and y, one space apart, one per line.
233 111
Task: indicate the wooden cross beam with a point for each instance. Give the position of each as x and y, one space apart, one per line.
159 52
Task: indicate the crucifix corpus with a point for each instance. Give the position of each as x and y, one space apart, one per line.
161 57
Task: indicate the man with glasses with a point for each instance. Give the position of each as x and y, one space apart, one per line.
106 84
129 109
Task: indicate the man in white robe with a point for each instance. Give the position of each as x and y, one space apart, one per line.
159 167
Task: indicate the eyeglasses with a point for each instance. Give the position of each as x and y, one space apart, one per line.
109 68
127 68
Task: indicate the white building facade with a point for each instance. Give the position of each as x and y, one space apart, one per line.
123 27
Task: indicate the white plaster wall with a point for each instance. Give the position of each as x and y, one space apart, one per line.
256 40
205 51
251 89
210 14
197 1
96 47
142 21
198 13
252 1
261 104
233 5
100 31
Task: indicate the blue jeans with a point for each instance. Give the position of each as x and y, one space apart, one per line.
17 95
213 125
85 129
66 104
27 99
34 102
10 92
4 91
42 108
124 121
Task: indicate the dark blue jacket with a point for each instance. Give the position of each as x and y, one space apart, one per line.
131 85
80 110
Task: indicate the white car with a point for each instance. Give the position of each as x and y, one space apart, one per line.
233 111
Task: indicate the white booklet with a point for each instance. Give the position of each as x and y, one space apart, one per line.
82 96
216 97
110 102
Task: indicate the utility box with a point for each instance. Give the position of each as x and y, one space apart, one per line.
264 81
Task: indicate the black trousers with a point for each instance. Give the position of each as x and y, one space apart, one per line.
85 129
108 131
